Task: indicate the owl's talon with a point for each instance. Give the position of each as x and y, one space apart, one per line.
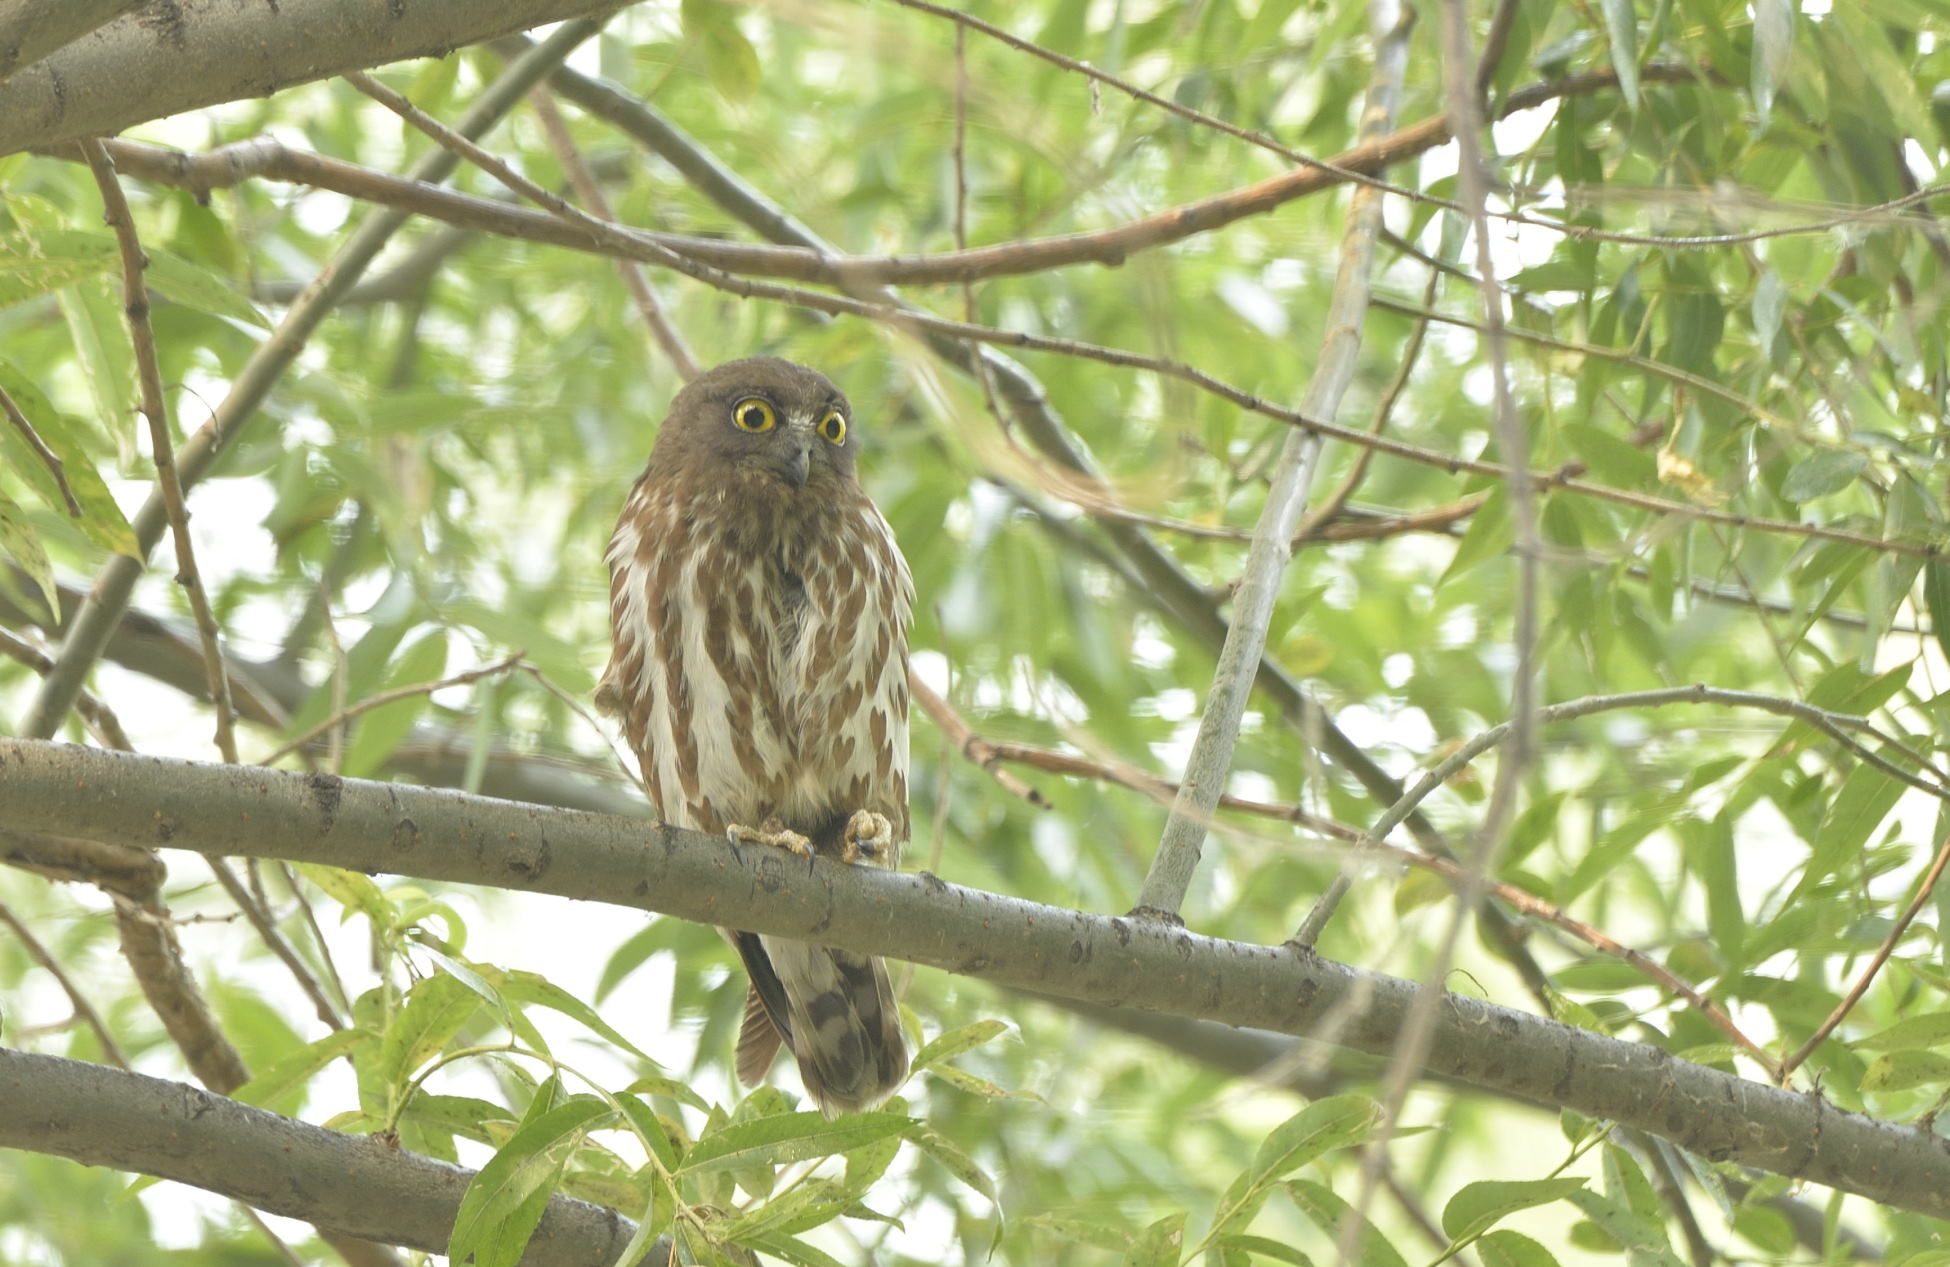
772 833
867 836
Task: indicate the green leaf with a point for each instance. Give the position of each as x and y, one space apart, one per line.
1823 472
536 990
17 535
958 1163
773 1141
1262 1247
956 1041
1082 1233
380 730
1906 1070
1505 1248
1482 1205
805 1204
962 1080
432 1014
1929 1030
670 1087
1866 797
1774 46
197 287
1488 536
1325 1211
505 1200
1936 597
352 891
1644 1238
1158 1245
56 260
794 1251
272 1083
1313 1132
102 521
1621 25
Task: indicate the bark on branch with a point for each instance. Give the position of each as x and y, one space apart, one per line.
346 1183
438 835
167 58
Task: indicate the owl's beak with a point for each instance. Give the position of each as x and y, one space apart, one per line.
793 464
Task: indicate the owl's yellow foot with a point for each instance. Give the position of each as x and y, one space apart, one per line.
868 835
772 832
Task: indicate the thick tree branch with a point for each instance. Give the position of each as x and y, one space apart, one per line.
175 57
449 836
32 29
352 1184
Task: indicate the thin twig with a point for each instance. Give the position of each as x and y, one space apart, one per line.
1882 954
1210 759
968 743
135 302
267 931
600 238
47 456
83 1009
99 716
346 713
583 181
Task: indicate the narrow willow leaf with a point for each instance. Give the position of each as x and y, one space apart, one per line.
533 988
1936 597
1158 1245
505 1200
195 286
772 1141
102 521
1262 1247
1621 25
1480 1206
20 540
959 1164
1866 797
1643 1238
434 1011
1325 1211
1929 1030
1774 41
794 1251
351 890
1905 1070
956 1041
1080 1232
1505 1248
272 1082
1823 472
1314 1131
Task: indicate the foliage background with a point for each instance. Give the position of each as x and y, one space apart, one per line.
430 489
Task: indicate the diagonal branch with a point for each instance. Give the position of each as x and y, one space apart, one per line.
449 836
155 408
1286 501
350 1184
33 29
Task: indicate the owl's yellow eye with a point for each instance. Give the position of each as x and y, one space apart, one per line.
833 426
754 415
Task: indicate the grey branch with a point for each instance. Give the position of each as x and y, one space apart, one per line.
31 29
449 836
168 58
352 1184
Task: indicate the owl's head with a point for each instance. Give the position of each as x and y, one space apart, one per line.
762 416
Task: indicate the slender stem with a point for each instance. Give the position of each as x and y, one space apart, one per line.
135 302
1286 502
1881 957
45 454
83 1009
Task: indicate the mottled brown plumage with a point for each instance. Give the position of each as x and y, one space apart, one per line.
759 610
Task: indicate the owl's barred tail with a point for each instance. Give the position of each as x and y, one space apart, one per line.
835 1009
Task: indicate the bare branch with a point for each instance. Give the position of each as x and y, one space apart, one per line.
145 66
33 29
135 303
1210 760
83 1009
449 836
350 1184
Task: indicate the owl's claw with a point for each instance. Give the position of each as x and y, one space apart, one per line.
868 835
772 832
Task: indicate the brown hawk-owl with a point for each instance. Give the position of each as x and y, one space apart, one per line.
759 611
